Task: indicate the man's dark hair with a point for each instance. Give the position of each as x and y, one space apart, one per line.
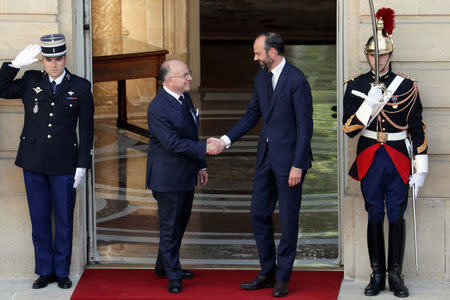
164 71
273 40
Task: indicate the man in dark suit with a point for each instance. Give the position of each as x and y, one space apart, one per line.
53 159
282 98
175 158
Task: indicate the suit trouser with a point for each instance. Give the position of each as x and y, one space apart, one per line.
267 189
43 191
174 210
383 185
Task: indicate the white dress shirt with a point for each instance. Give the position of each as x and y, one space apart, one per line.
59 79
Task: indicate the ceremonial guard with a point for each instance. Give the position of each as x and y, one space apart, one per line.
388 116
53 159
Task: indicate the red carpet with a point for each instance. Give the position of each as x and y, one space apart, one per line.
206 285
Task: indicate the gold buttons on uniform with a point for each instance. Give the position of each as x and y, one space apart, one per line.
51 114
52 104
49 136
50 125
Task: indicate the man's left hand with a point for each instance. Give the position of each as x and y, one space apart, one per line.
79 174
203 175
295 176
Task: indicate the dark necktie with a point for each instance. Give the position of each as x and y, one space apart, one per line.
186 108
53 87
269 85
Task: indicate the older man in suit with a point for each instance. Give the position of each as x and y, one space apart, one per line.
282 98
53 159
175 158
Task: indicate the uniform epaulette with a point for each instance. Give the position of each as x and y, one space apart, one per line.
406 76
353 78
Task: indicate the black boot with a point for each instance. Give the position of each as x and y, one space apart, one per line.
375 243
395 259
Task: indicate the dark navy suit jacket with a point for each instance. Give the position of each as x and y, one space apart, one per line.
175 154
49 143
286 120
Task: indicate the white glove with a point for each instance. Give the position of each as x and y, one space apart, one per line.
27 56
79 174
376 94
417 180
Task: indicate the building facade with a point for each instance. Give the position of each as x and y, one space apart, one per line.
421 39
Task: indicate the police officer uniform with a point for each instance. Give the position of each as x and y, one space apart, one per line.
49 153
383 162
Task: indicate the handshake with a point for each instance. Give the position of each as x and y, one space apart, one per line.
214 146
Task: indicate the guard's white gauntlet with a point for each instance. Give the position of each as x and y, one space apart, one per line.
79 174
421 166
370 104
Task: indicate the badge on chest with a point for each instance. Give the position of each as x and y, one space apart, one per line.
37 90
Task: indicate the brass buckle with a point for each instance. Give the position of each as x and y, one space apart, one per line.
382 137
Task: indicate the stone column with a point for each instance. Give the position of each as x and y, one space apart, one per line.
106 27
106 40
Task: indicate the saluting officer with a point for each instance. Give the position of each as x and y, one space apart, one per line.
53 159
383 162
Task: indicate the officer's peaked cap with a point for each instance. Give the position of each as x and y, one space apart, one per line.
53 45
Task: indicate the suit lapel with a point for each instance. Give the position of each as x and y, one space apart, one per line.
279 87
173 102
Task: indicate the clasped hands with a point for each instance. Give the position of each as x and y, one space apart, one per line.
214 146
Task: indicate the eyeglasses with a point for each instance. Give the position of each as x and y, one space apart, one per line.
185 75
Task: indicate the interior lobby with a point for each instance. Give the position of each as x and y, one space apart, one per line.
219 233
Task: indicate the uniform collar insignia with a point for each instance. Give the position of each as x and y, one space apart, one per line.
70 93
37 90
68 76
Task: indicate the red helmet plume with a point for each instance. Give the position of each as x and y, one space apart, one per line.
388 15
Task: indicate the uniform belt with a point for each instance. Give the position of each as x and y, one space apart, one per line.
382 137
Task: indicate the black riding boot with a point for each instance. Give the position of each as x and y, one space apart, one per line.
395 259
375 243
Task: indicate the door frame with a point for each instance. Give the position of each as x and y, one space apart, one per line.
83 61
84 68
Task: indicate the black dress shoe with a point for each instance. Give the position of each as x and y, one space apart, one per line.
186 274
281 289
175 286
260 282
64 283
43 281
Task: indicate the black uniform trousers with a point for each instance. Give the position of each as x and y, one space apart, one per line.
43 193
174 210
